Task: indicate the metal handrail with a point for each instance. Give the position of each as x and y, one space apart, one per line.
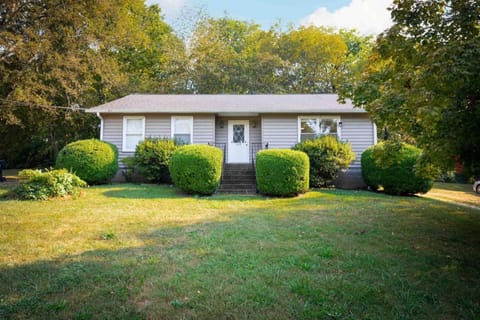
254 149
223 147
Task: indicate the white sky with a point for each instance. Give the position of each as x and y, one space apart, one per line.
366 16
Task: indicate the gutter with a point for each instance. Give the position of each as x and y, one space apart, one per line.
101 125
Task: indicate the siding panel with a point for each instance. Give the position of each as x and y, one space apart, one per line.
158 126
204 129
279 131
359 131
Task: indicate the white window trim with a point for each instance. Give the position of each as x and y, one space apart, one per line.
318 117
172 125
125 118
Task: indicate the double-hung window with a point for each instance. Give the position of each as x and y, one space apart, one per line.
133 132
182 129
311 127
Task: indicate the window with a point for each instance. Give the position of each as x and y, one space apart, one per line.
311 127
182 129
133 132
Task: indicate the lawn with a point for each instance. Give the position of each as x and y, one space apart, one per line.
146 252
455 192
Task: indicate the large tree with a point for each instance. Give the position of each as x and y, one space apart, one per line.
423 78
56 55
313 59
232 56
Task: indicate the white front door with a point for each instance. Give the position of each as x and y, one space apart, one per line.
238 135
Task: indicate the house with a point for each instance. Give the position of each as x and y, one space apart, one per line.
239 124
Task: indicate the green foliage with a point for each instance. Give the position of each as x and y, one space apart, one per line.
72 53
248 59
92 160
197 169
37 185
327 155
397 167
282 172
152 156
422 79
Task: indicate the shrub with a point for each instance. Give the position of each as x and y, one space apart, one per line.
152 157
398 168
282 172
92 160
197 169
37 185
327 156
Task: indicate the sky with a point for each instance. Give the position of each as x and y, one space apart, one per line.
366 16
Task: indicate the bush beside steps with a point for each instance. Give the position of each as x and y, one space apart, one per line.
282 172
197 169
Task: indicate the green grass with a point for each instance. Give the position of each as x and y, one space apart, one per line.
147 252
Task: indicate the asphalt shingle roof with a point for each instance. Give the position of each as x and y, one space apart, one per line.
227 103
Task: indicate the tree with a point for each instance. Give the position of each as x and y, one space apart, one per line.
158 63
423 78
314 59
56 55
232 56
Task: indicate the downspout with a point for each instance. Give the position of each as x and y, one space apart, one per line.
375 138
101 125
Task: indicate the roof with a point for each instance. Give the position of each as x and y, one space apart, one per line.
227 103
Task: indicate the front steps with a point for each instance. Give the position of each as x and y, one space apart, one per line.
238 179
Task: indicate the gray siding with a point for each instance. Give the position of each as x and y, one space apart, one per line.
113 133
158 125
204 129
359 131
279 131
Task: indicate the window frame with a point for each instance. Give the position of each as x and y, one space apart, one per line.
124 140
318 118
172 126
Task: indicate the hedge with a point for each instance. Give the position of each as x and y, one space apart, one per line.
92 160
197 169
396 167
282 172
152 157
327 156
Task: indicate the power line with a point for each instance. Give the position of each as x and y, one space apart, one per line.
73 107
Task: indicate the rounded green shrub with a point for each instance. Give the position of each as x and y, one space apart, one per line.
282 172
92 160
38 185
197 169
327 156
152 157
397 168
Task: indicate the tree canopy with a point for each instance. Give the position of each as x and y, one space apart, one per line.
59 55
56 55
423 78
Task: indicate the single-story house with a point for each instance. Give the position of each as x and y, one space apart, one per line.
239 124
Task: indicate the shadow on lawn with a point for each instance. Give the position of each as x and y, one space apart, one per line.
156 191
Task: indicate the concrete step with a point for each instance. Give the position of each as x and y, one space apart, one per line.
238 179
247 179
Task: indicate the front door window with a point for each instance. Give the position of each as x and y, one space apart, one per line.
238 133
